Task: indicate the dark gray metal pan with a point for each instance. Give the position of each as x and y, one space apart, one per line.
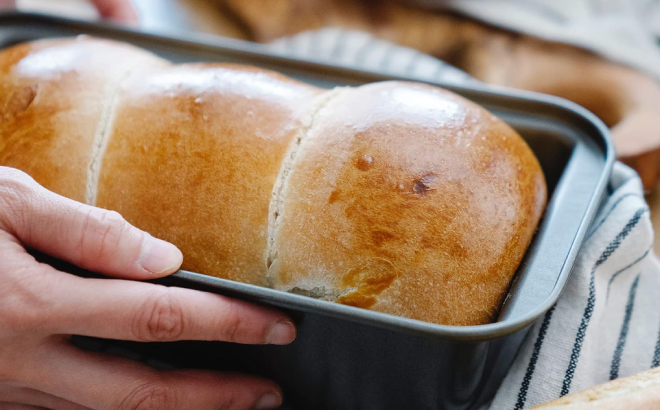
349 358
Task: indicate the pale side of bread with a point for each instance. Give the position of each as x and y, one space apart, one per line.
53 96
278 198
416 202
398 197
637 392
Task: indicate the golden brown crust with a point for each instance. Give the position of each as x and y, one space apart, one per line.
52 97
638 392
413 202
193 157
399 197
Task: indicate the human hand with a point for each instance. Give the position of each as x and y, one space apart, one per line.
117 10
40 306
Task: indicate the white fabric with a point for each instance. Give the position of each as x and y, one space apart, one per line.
623 30
357 49
618 319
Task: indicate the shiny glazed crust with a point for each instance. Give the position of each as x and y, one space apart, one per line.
417 202
53 94
201 174
398 197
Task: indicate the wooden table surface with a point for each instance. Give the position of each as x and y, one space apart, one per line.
206 16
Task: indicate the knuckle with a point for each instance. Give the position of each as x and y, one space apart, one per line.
102 232
233 323
160 318
149 396
112 229
16 187
22 303
231 401
12 177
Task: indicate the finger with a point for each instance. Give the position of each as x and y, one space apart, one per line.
119 10
17 406
145 312
92 238
7 4
32 397
105 382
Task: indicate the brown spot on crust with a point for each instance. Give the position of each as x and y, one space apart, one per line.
370 281
20 101
378 237
358 300
364 163
424 184
354 210
334 196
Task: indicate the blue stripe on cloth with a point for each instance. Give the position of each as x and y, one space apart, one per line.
412 63
544 10
591 301
620 271
623 334
366 48
387 57
612 208
439 72
656 353
314 45
340 45
625 181
524 387
289 44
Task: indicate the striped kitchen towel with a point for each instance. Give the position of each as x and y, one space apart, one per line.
606 323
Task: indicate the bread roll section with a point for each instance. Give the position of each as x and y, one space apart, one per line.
53 96
412 201
193 156
397 197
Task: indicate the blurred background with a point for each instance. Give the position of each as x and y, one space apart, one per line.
170 16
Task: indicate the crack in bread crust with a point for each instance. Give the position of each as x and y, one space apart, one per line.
276 205
103 134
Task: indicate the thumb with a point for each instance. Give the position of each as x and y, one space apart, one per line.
91 238
7 4
118 10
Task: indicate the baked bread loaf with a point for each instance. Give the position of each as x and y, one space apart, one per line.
638 392
398 197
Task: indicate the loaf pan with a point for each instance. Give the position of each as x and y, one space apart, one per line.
348 358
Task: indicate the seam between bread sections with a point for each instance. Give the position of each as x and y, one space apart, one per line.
102 136
277 198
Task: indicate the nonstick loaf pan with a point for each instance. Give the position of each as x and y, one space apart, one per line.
349 358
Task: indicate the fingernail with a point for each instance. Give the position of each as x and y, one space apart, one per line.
159 256
281 333
269 401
